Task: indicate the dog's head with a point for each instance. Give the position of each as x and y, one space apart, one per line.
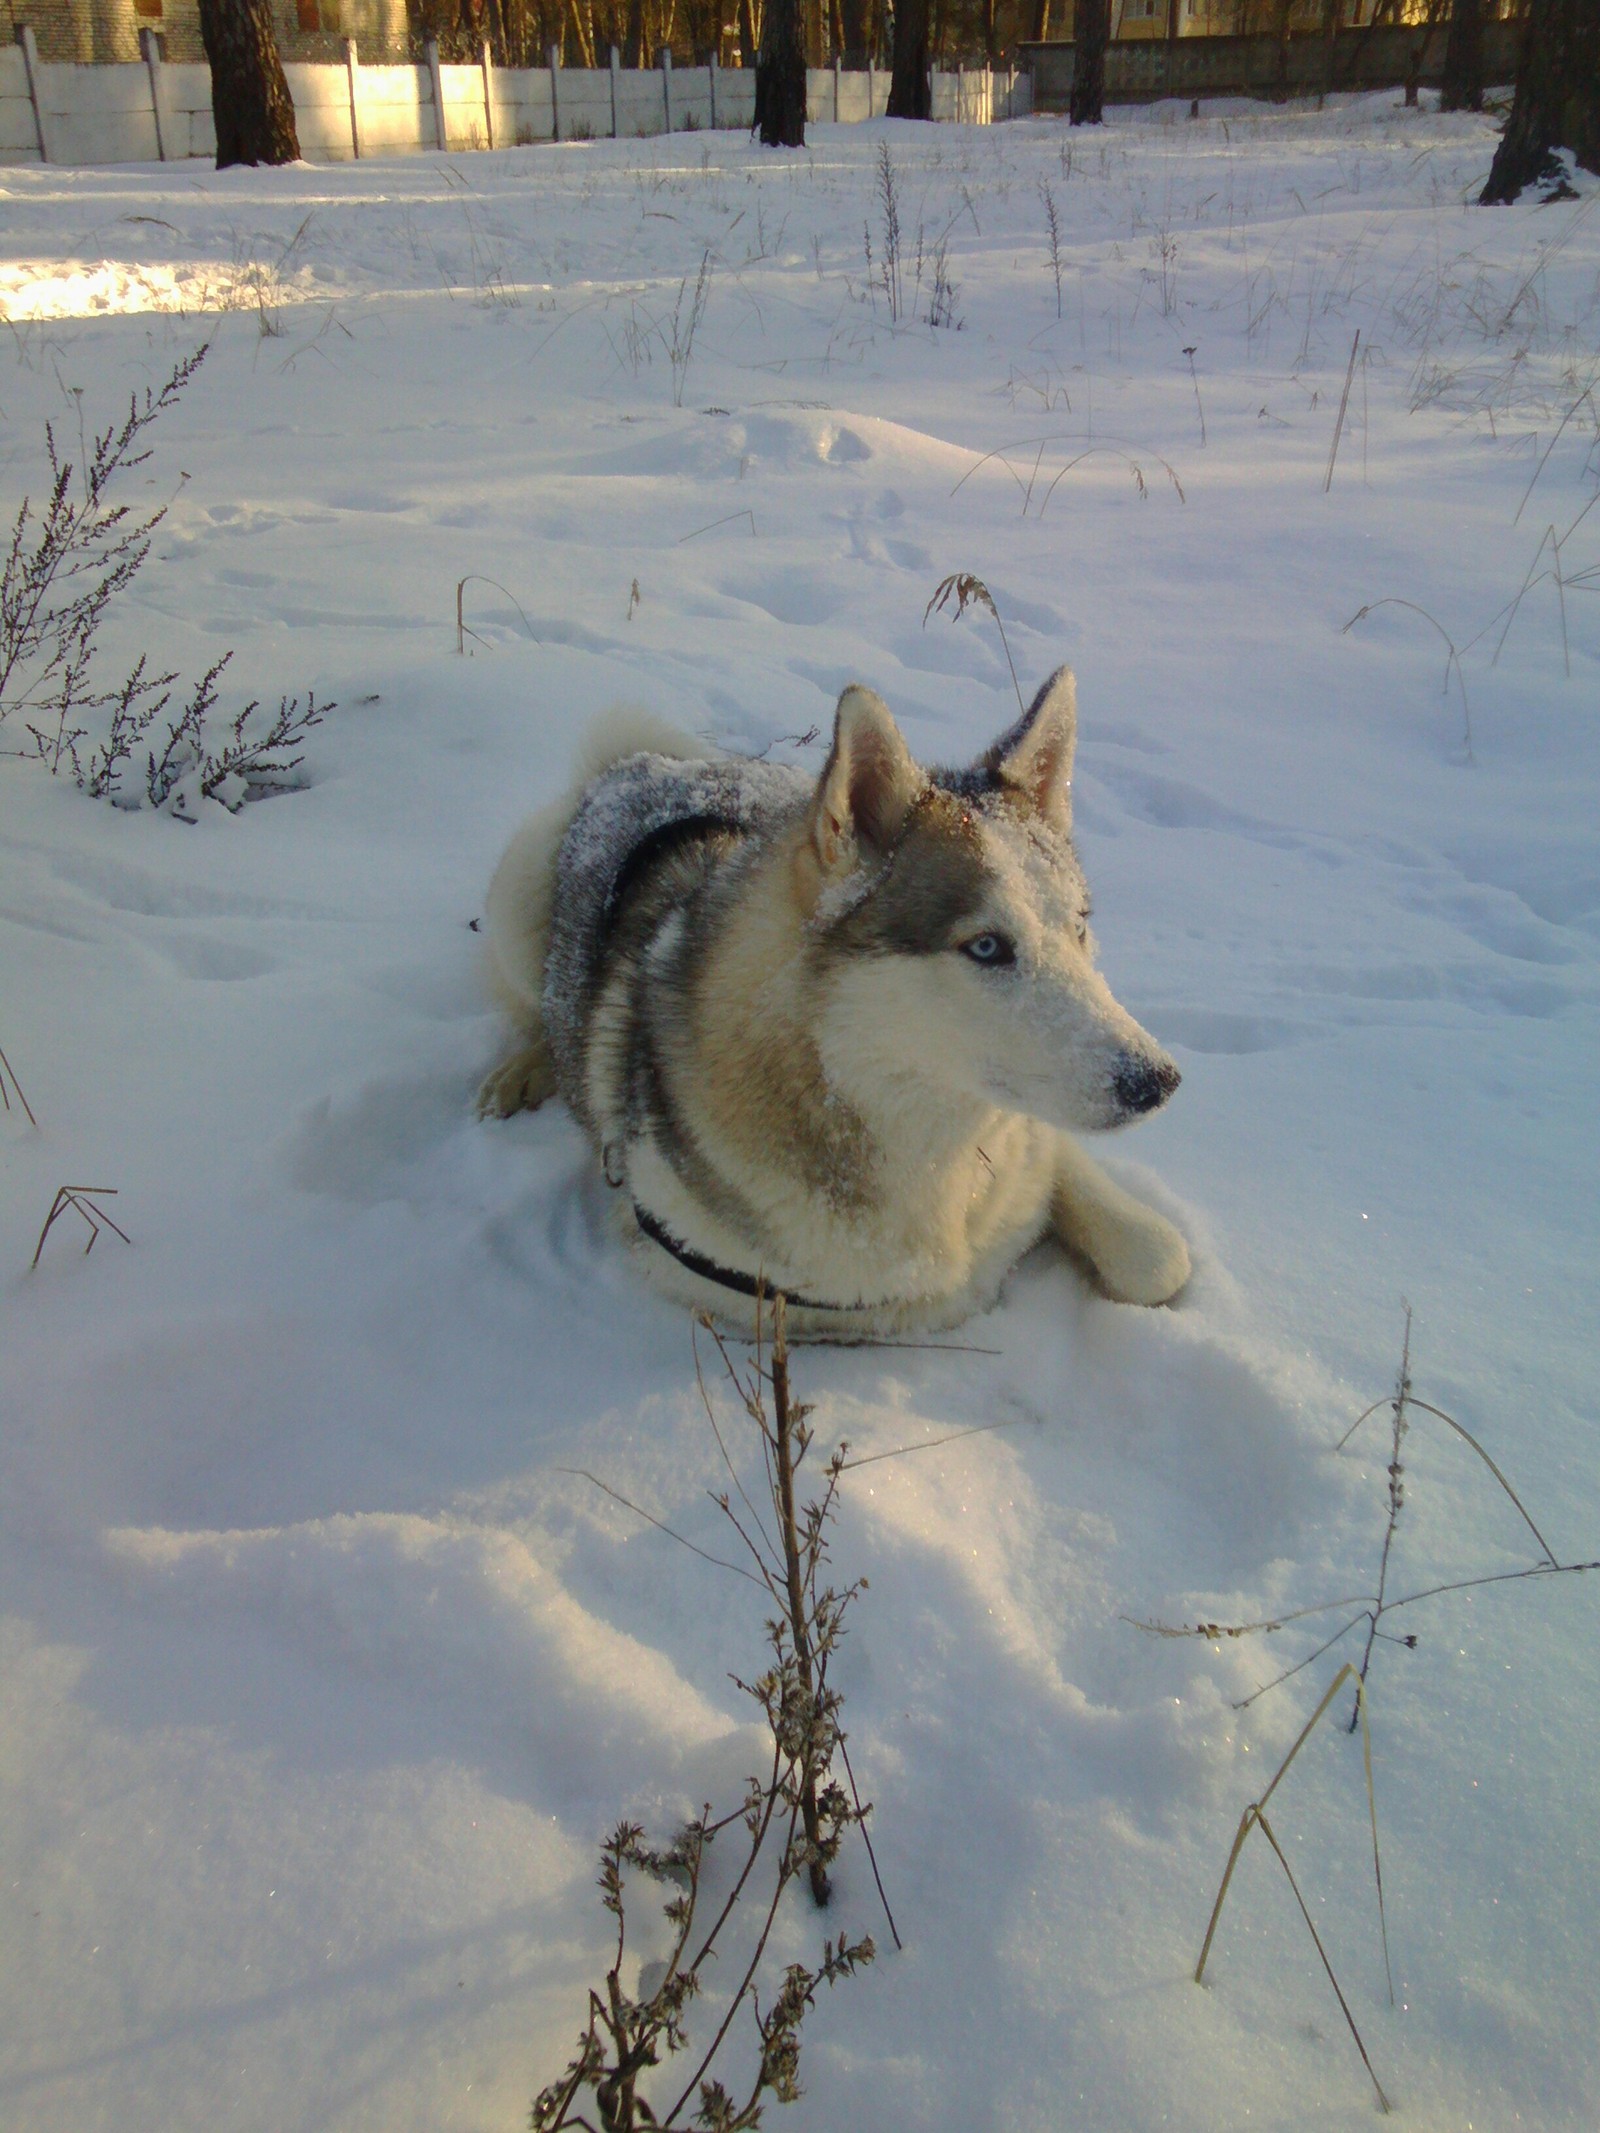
949 919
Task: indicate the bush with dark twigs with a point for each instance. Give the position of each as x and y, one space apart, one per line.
63 566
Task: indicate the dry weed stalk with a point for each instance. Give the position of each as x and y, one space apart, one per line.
965 589
1370 1608
797 1808
81 1199
1194 380
1052 222
9 1073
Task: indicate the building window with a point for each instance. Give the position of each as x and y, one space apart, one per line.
150 10
306 15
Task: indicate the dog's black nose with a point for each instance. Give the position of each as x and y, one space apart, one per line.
1143 1084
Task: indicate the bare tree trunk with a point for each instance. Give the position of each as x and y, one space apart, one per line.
781 77
910 90
250 101
1281 12
1041 21
1092 25
1557 101
1462 86
853 27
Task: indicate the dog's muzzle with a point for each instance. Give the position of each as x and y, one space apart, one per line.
1144 1084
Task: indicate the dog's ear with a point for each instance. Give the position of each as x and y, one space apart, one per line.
1036 754
868 784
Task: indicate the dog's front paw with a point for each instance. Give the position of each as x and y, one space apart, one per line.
520 1083
1143 1261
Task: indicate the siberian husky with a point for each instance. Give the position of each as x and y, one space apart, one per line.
832 1037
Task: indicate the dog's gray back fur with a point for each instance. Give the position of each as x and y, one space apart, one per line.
650 835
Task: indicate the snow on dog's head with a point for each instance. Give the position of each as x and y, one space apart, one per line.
950 923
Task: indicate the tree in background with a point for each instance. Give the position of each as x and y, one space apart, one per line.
781 77
1462 86
911 88
1086 105
853 34
250 100
1557 103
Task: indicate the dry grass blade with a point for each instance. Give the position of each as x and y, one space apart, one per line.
1452 657
80 1199
1466 1437
932 1444
966 590
715 523
582 1473
866 1837
1128 461
1254 1816
1586 396
1344 402
1041 445
9 1073
1265 1826
474 577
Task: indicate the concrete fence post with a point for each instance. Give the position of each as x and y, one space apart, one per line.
553 54
150 53
666 84
352 75
30 63
838 70
431 53
616 68
487 62
871 92
713 77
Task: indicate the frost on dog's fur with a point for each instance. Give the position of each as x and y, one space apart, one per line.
834 1034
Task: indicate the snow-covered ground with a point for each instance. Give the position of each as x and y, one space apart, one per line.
323 1672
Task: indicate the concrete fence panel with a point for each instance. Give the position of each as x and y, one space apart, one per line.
107 114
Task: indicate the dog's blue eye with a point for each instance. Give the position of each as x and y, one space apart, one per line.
990 949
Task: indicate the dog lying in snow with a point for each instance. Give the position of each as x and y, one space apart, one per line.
831 1036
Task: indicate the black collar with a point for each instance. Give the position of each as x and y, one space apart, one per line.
727 1277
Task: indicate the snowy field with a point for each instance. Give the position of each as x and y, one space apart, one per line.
323 1673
